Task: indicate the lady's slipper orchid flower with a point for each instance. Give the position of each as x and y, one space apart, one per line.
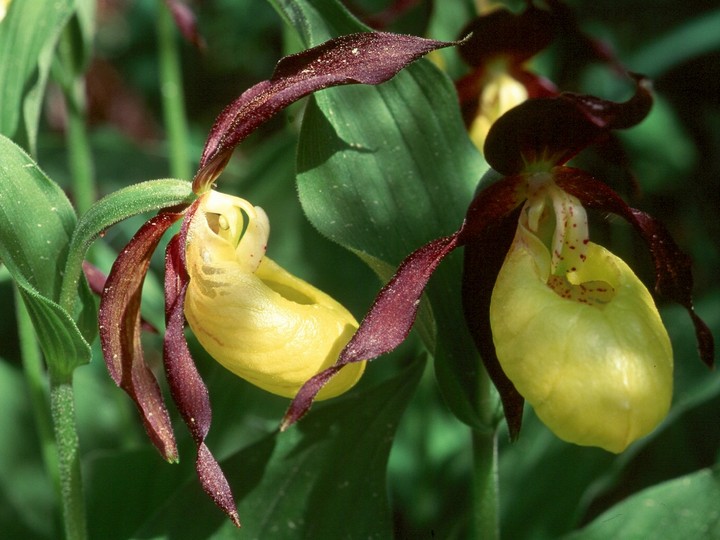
499 45
259 321
499 48
558 320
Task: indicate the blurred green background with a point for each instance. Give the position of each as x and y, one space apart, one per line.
547 488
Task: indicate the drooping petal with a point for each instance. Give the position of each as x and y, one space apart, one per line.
552 130
365 58
119 325
187 387
590 354
487 233
386 325
673 268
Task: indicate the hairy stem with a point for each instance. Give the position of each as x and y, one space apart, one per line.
485 485
62 406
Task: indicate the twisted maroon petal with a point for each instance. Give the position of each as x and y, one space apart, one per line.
386 325
119 320
365 58
186 386
554 129
673 268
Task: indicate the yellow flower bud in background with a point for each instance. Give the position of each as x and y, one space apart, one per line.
500 94
4 6
580 336
256 319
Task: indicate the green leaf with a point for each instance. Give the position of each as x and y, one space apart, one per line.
685 508
28 35
61 342
36 221
382 171
320 479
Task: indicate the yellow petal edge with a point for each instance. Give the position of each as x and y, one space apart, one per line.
252 316
596 373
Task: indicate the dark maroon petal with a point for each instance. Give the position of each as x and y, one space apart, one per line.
186 386
119 320
673 268
503 34
553 130
366 58
489 229
484 256
186 22
96 280
388 322
491 205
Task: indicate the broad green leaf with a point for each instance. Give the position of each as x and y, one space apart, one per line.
61 342
384 170
28 34
686 507
320 479
317 20
36 221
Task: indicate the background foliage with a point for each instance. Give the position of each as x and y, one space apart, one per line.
329 473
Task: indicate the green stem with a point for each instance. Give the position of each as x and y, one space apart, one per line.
79 155
37 389
81 165
62 406
486 524
485 485
173 98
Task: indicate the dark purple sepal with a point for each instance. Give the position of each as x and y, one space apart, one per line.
186 386
673 268
186 22
364 58
503 34
386 325
488 232
119 328
553 130
96 281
